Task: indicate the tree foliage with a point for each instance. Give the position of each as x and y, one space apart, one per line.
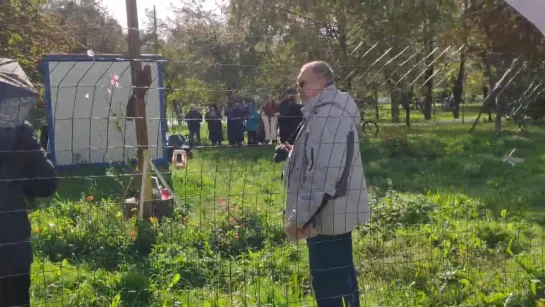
412 52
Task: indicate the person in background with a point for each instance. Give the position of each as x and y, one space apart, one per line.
261 129
239 117
235 123
25 173
289 115
246 106
229 113
244 112
252 124
270 120
194 119
326 187
215 128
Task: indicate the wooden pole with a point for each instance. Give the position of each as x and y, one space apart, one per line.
155 35
139 109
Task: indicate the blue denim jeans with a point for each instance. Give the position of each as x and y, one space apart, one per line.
332 269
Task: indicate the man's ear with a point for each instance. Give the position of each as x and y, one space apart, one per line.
325 83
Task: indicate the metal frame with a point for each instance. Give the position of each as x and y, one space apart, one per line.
102 58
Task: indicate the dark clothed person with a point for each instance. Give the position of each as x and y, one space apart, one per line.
261 131
290 116
215 128
25 174
235 124
194 119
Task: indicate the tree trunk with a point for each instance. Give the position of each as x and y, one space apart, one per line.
489 84
408 116
491 102
458 88
487 104
456 111
395 101
407 98
231 96
499 114
375 97
342 39
428 87
502 96
178 110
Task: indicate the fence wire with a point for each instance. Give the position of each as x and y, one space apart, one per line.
456 219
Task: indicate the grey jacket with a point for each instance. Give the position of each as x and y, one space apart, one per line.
323 174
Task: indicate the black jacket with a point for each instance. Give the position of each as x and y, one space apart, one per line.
25 172
194 119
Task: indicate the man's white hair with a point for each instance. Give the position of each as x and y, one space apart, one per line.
321 69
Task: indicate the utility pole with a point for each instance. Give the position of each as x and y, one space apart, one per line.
141 80
155 36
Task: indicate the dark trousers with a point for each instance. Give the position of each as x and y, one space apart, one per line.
332 269
195 136
252 137
14 290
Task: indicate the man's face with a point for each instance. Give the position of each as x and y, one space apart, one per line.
309 85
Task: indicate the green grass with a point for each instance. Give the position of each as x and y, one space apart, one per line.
468 113
452 225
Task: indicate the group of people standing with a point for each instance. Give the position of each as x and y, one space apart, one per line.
263 125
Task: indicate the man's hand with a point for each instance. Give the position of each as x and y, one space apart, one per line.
281 152
295 234
288 146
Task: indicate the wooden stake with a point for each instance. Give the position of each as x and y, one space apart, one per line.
139 104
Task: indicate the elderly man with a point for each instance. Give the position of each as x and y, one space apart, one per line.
326 189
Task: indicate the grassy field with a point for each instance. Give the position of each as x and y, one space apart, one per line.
452 225
468 113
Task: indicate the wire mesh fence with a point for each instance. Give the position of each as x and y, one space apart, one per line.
224 245
446 223
456 218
